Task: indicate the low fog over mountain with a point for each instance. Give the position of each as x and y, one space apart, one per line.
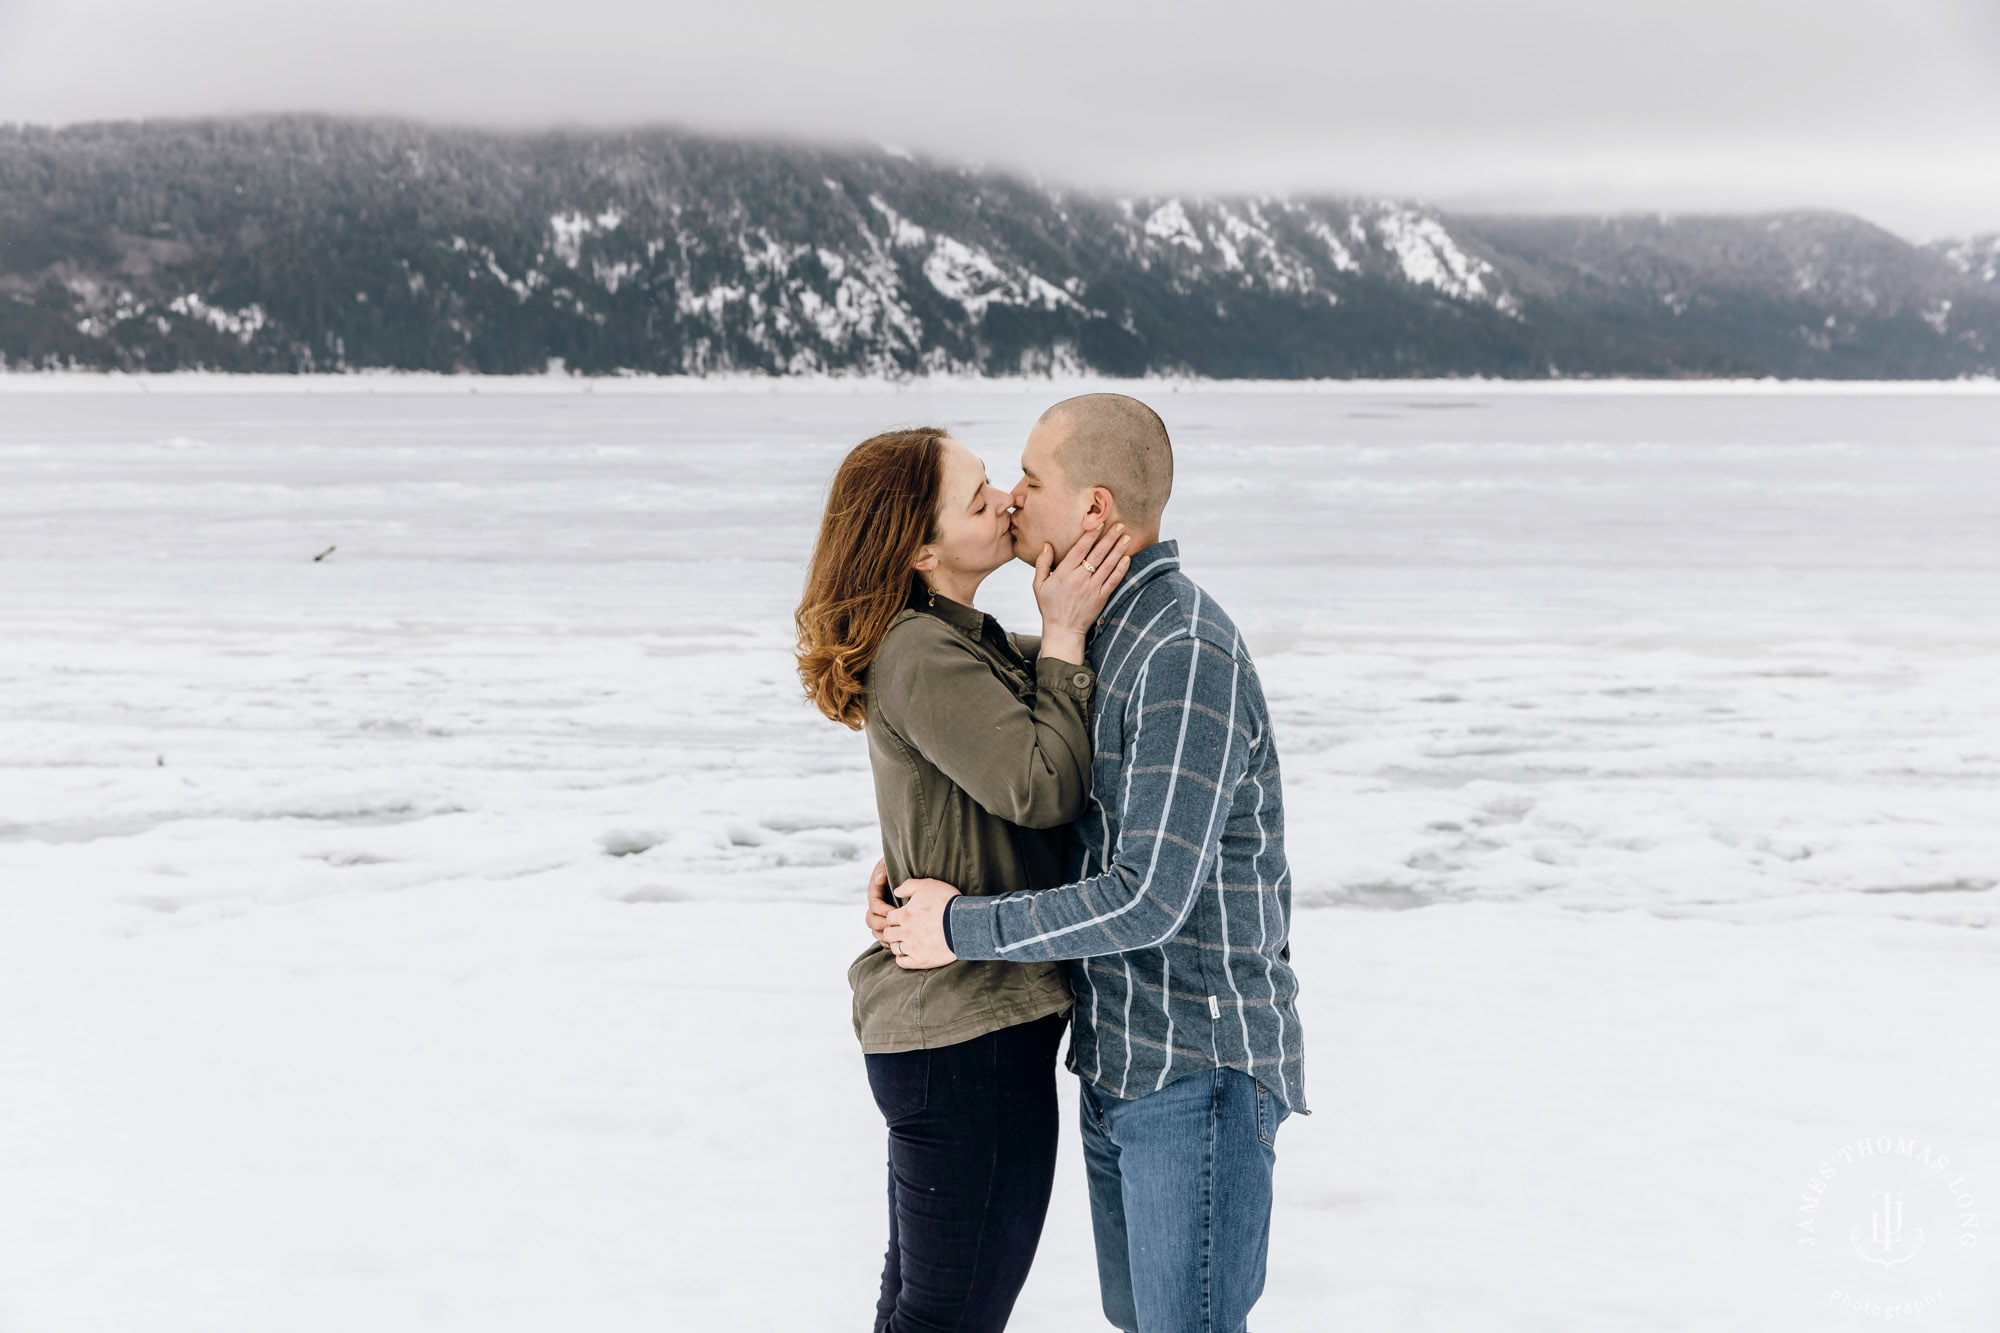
315 244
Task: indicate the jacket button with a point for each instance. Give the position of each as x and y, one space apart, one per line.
1081 679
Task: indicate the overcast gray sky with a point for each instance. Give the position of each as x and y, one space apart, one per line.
1887 108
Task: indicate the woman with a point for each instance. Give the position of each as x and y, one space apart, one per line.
981 756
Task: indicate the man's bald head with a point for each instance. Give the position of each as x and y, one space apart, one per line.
1119 443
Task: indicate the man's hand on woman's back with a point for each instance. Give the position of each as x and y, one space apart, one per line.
916 932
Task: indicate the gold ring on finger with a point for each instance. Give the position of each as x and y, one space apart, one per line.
1089 568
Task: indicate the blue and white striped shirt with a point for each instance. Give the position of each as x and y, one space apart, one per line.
1179 919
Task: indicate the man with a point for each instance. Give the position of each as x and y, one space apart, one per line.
1184 1032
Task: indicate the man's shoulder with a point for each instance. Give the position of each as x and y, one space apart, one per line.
1175 606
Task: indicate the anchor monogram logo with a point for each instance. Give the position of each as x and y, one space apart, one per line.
1885 1233
1910 1215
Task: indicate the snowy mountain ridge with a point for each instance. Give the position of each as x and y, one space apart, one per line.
1977 257
310 243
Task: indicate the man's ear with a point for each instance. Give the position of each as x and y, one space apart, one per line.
1102 509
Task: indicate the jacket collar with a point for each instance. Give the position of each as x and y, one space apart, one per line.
970 619
1147 565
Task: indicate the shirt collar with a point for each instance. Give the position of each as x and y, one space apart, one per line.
1147 565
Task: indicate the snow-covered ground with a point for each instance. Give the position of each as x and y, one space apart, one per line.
450 933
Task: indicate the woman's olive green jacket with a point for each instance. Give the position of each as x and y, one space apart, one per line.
981 753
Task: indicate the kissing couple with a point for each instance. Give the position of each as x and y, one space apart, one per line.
1082 829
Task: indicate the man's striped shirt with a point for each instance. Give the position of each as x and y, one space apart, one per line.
1179 918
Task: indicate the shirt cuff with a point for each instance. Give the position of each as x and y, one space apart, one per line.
971 935
1071 678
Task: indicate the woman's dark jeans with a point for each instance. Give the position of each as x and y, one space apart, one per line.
972 1157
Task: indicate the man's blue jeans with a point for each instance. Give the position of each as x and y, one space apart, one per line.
1180 1198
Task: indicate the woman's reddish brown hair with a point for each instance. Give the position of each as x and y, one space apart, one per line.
880 511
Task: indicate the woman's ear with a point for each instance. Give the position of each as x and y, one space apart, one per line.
926 561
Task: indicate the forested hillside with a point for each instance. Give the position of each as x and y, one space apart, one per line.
313 244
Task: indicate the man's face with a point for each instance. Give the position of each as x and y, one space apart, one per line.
1046 508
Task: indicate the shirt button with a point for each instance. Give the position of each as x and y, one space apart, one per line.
1081 679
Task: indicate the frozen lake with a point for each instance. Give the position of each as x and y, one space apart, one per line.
363 916
1701 652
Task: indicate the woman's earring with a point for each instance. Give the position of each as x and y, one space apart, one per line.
932 590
